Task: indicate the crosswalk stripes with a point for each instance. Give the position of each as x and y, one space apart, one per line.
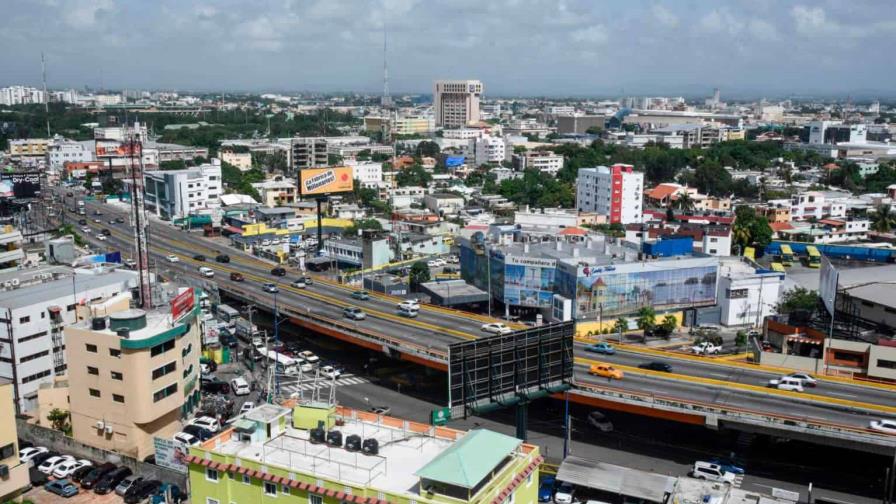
324 383
738 481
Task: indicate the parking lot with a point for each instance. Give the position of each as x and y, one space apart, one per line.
38 495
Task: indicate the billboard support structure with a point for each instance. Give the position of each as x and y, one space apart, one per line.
320 226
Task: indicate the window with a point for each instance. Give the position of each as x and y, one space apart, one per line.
848 357
7 451
529 480
94 392
25 319
36 376
165 392
32 336
161 348
90 348
315 499
92 370
284 489
117 376
114 352
118 398
737 293
270 489
211 474
162 371
886 364
34 356
247 480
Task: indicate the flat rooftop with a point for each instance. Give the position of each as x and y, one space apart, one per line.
52 289
157 321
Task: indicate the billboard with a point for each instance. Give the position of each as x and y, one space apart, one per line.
181 304
19 184
529 281
114 148
322 181
827 284
170 454
454 161
495 369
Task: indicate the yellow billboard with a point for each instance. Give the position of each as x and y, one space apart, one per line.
336 179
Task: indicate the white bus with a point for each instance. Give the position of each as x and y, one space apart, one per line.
285 365
227 315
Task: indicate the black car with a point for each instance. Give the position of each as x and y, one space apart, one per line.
111 479
106 232
308 280
222 258
214 386
141 491
94 476
80 472
97 212
278 271
196 431
37 478
657 366
198 257
119 220
228 340
82 222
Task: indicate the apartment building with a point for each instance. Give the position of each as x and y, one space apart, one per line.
15 478
488 150
61 151
11 253
241 160
403 197
367 173
455 103
277 191
21 95
828 230
35 305
615 191
814 204
774 213
134 374
407 125
443 203
174 194
464 133
308 152
543 161
28 147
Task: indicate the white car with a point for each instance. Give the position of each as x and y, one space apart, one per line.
883 425
97 221
308 356
410 304
786 383
807 379
50 465
101 237
246 407
432 264
564 493
26 454
265 243
330 372
172 258
712 472
187 439
208 423
65 469
206 272
706 348
239 386
86 229
496 328
305 367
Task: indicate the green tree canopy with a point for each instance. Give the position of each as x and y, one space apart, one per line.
797 298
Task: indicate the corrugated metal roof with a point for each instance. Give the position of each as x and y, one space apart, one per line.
615 479
470 459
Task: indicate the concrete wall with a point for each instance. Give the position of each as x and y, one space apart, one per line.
790 361
55 440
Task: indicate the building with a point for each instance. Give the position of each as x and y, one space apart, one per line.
543 161
488 150
455 103
615 191
815 204
835 132
716 240
28 147
174 194
404 197
406 125
828 230
551 221
36 305
277 191
464 133
747 294
16 480
774 213
444 203
21 95
308 152
269 453
176 152
11 253
134 374
579 124
369 252
367 173
241 160
61 151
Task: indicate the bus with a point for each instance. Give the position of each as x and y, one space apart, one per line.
227 314
778 267
814 256
750 253
285 365
786 255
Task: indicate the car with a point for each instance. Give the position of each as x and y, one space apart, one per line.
354 313
86 229
546 489
141 491
82 222
111 480
564 493
330 372
50 465
213 385
605 371
786 383
97 221
130 263
432 264
361 295
883 425
172 258
265 242
278 271
240 386
712 472
127 483
807 379
600 421
112 221
228 339
247 406
380 410
206 272
80 472
237 276
93 477
409 304
106 232
199 257
207 422
65 469
39 459
97 212
706 348
308 280
656 366
196 431
269 287
222 258
101 237
26 454
601 348
408 311
496 328
119 220
299 283
308 356
186 439
63 488
729 465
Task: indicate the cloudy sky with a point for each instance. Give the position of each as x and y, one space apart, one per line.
516 47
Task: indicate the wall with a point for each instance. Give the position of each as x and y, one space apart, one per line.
18 473
790 361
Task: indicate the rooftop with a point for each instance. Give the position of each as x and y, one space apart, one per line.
471 459
59 287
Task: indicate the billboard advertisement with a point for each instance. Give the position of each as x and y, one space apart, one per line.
170 454
337 179
827 284
529 281
181 304
19 184
454 161
114 148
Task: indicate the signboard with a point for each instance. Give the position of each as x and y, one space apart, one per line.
495 369
827 284
19 184
181 304
337 179
454 161
440 416
114 148
170 454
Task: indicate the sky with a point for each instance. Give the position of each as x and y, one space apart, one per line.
516 47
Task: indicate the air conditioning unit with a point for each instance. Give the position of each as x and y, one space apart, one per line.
108 429
100 425
4 471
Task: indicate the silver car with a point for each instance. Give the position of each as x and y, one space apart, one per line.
127 483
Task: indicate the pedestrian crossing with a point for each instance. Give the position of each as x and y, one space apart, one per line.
324 383
738 481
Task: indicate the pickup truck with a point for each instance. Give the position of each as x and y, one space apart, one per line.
706 348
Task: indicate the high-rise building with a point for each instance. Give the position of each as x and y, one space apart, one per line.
178 193
616 191
308 152
456 102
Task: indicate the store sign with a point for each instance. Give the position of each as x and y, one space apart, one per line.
182 304
170 454
535 262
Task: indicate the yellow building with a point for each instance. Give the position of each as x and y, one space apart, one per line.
13 475
30 147
133 373
242 160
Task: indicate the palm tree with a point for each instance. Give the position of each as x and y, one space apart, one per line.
684 202
668 325
646 320
620 327
883 219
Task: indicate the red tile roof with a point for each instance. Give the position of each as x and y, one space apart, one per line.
573 231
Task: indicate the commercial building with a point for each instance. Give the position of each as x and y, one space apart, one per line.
579 124
405 125
455 103
134 374
464 133
29 147
308 152
835 132
277 191
543 161
403 197
174 194
747 293
551 221
488 150
11 253
61 151
16 479
367 173
443 203
35 305
176 152
242 160
274 452
828 230
616 191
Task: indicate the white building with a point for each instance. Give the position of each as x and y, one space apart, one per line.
455 103
241 160
616 192
543 161
560 110
404 197
35 306
717 241
488 149
463 133
20 95
177 193
745 295
367 173
443 203
814 204
61 151
277 191
835 132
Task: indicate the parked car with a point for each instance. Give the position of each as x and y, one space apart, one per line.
26 454
127 483
246 407
186 439
207 423
228 339
564 493
271 288
213 385
93 477
883 425
496 328
63 487
111 480
201 433
39 459
605 371
237 276
546 489
712 472
706 348
222 258
361 295
239 386
807 379
278 271
601 348
354 313
79 473
656 366
137 493
600 421
199 257
65 469
786 383
50 465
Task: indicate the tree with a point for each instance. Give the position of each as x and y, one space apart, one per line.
740 339
174 164
362 224
419 274
797 298
414 175
668 325
749 229
883 221
684 202
620 326
427 148
59 420
646 319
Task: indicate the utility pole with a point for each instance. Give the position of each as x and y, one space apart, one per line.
43 69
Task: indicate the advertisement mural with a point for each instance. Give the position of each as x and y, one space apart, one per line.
170 454
529 281
114 148
19 184
337 179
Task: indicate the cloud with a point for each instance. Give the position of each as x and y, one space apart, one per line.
594 34
811 20
84 14
664 16
721 21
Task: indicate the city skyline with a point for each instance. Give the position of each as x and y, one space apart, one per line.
518 48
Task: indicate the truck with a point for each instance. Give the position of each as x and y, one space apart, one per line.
706 348
244 330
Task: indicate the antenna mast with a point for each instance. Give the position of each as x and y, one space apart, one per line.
43 70
138 219
387 100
